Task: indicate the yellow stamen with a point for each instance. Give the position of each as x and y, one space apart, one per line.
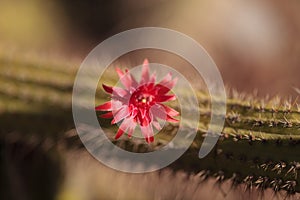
144 100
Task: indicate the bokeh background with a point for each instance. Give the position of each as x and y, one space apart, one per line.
255 44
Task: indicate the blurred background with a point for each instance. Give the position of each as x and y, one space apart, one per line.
255 44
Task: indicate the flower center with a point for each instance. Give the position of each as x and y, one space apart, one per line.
142 98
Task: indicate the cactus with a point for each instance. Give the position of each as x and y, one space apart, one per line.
258 147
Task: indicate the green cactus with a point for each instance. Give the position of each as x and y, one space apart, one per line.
258 147
260 152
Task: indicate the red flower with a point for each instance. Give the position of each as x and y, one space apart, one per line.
139 103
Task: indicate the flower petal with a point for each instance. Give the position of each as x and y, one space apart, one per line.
166 79
166 87
107 115
164 98
107 89
153 78
156 124
145 72
148 133
119 92
119 133
158 111
123 127
131 126
133 110
170 111
171 119
161 89
120 114
119 72
104 107
130 131
134 83
125 78
127 124
143 118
